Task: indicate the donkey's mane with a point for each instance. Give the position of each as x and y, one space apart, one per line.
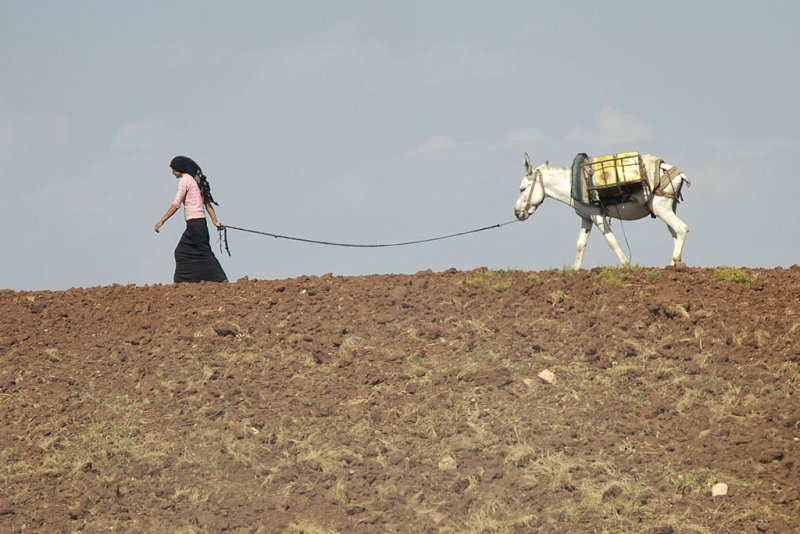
557 168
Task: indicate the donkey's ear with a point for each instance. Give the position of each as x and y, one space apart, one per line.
528 168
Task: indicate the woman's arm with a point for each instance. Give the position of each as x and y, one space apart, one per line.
170 212
213 214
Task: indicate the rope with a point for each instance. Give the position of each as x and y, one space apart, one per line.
624 233
223 235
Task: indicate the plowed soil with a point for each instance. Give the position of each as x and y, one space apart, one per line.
406 403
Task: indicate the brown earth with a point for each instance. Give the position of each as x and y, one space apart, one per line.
406 403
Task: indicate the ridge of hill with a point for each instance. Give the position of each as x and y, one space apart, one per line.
406 403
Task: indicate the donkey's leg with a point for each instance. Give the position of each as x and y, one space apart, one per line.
600 222
663 209
583 238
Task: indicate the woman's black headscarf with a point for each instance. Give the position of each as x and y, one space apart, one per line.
186 165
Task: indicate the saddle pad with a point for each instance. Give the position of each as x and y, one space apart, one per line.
579 192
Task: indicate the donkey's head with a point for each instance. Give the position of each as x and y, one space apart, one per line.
531 190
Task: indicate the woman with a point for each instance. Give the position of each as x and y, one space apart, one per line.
194 260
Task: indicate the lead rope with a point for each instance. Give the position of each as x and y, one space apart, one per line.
223 236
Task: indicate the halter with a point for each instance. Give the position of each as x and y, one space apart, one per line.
536 176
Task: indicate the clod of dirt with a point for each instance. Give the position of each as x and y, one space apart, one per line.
612 493
719 489
447 462
528 382
223 331
547 376
438 517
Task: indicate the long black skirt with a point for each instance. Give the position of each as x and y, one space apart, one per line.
194 260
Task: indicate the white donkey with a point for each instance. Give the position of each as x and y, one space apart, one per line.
660 201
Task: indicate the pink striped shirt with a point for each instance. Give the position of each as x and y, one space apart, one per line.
189 193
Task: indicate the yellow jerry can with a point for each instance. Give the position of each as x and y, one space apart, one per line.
604 171
628 168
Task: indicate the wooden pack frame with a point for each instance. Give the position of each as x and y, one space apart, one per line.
629 165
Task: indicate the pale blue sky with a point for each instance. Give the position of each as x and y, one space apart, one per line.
375 122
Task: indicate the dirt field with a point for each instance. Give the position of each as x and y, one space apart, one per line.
406 403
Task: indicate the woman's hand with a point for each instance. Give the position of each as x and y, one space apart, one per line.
213 215
170 212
